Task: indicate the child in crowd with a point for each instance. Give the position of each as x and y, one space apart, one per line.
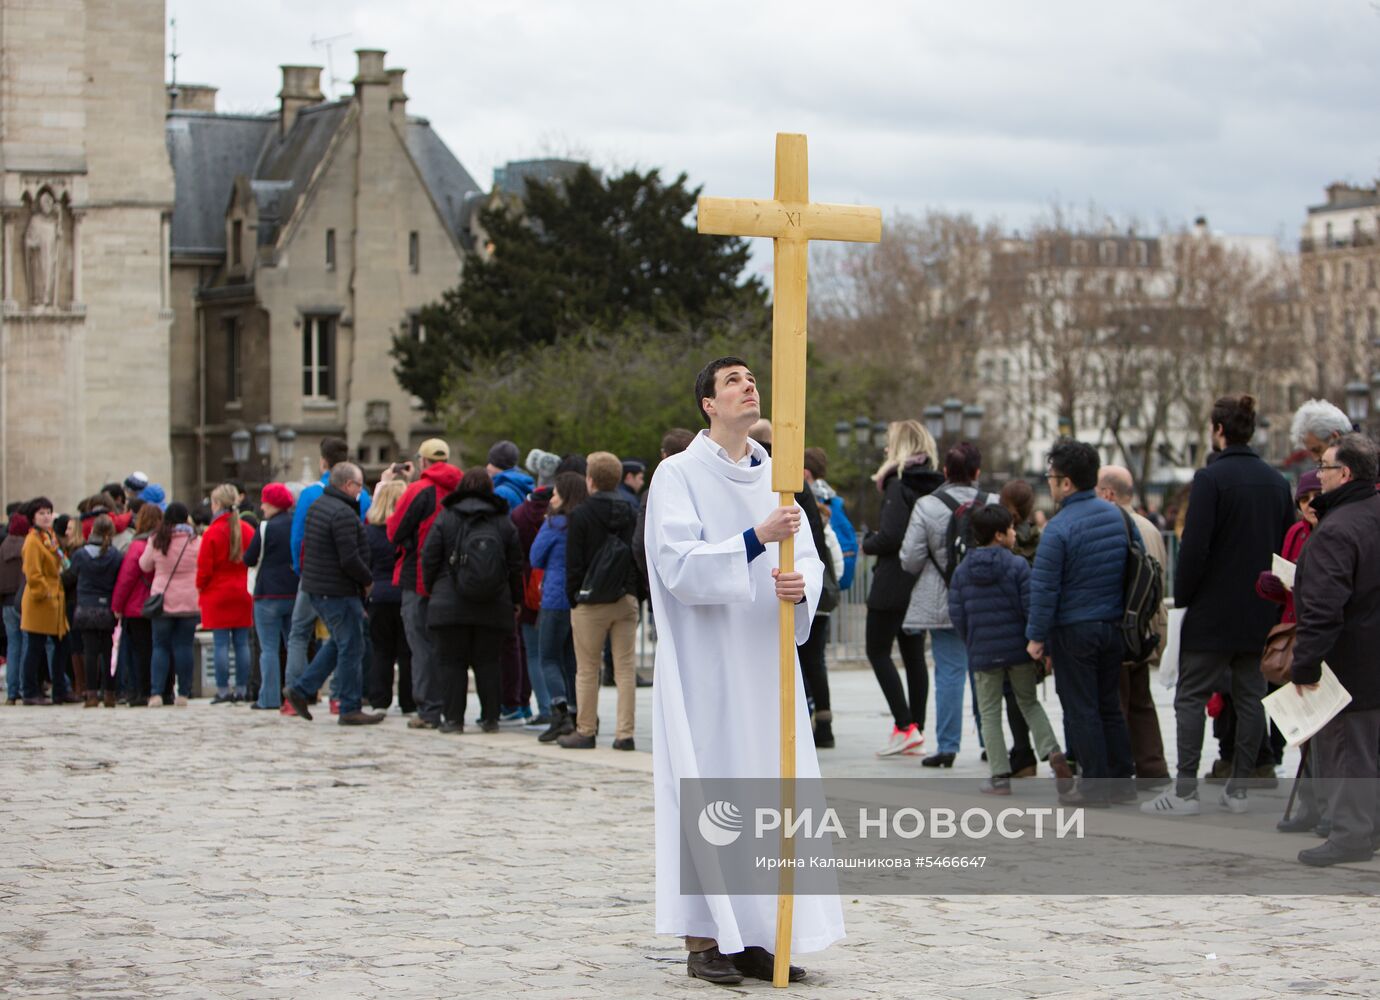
989 598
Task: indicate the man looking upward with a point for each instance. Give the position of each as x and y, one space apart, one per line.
715 590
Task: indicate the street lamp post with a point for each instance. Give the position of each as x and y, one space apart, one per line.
262 439
1357 402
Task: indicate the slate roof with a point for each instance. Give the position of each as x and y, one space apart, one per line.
209 150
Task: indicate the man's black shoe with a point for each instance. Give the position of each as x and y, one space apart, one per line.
1330 854
562 724
358 718
451 728
938 760
299 704
1298 824
574 741
713 967
624 744
761 964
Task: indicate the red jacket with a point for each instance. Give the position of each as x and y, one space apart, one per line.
133 584
412 518
223 585
122 521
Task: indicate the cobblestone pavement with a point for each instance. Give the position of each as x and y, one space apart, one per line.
219 852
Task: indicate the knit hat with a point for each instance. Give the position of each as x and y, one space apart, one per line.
135 483
1309 482
278 495
19 524
503 455
542 464
434 450
153 493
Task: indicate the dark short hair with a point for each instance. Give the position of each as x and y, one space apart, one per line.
962 462
335 451
817 462
1236 416
476 482
115 491
989 521
1077 460
1357 453
676 440
704 381
572 463
14 507
37 504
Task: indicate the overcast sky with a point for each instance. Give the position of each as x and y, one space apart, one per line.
1159 110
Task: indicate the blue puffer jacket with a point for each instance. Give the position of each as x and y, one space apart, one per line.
989 595
548 555
513 485
1079 566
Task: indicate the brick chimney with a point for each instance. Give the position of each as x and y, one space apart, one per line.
301 89
397 98
192 97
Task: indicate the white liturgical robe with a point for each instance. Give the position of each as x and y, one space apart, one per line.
716 702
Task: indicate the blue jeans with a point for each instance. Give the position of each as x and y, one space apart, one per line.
299 637
557 655
38 648
344 616
950 681
221 639
173 639
14 656
1087 677
531 644
272 620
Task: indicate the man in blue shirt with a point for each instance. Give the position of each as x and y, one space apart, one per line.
1076 605
333 452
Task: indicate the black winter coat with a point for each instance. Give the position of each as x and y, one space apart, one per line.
446 607
588 525
96 574
271 551
1238 512
1337 595
383 557
335 553
891 585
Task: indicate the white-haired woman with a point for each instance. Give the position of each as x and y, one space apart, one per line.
907 473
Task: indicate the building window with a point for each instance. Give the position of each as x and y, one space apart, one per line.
414 252
1106 253
1372 331
1080 252
1328 234
1142 253
318 357
416 329
1320 324
236 237
1319 278
1370 273
330 249
1109 285
234 377
1349 326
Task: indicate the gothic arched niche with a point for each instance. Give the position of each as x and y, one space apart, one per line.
42 251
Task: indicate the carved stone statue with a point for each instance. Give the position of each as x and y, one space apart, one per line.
42 249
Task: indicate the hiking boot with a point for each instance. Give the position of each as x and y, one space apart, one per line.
562 724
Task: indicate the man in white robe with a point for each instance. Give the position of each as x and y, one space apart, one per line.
716 590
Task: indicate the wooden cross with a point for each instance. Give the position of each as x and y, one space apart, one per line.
791 221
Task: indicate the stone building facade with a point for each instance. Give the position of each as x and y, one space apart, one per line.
302 242
86 193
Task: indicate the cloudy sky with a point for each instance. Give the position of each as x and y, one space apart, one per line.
1158 111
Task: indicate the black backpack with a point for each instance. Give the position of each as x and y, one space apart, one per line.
959 540
1143 592
606 579
478 565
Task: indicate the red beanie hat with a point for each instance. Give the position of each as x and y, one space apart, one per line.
278 495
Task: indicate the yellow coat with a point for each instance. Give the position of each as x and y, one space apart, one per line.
44 609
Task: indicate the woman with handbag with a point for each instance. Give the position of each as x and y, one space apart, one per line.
43 608
222 583
172 604
97 567
131 591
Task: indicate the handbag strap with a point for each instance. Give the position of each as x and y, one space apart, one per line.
177 562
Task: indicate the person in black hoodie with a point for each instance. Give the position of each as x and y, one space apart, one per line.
97 566
336 578
602 582
906 475
472 568
1337 599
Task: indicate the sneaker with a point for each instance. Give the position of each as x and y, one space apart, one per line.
538 722
335 706
1169 804
512 717
155 701
1234 802
902 740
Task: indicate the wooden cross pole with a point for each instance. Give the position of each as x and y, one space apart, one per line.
791 221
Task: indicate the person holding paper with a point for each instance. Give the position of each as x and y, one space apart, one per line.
1337 599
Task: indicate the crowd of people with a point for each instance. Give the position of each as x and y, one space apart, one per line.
535 581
